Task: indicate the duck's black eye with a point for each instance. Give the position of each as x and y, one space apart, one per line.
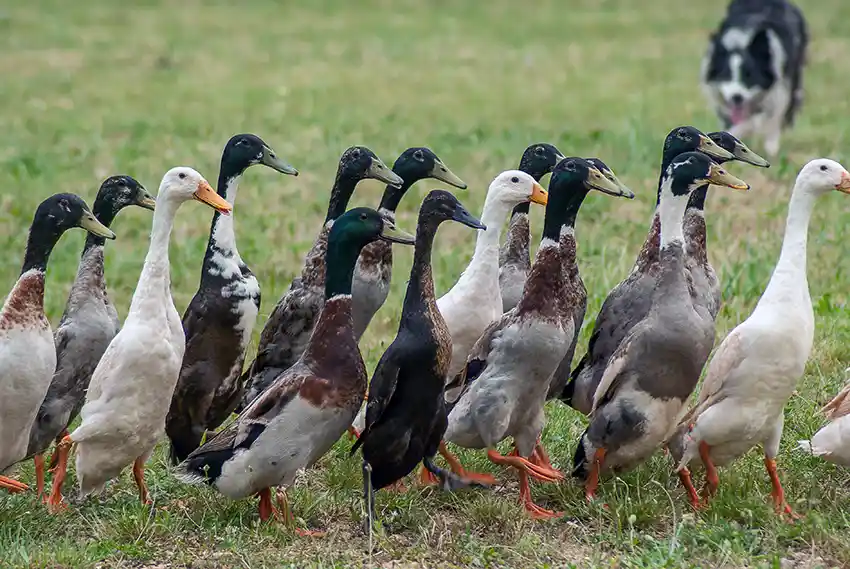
182 175
418 155
355 153
241 142
363 217
824 168
570 166
539 150
515 180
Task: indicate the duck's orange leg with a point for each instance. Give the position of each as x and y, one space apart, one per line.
353 433
593 478
139 476
693 497
63 449
457 468
712 481
524 469
12 485
286 513
54 457
38 461
777 492
427 478
266 508
540 457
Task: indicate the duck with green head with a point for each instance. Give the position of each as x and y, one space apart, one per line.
287 331
306 408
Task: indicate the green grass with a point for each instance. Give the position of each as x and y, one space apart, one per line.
91 89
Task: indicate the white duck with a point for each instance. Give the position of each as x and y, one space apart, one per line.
130 391
833 441
756 368
27 353
475 301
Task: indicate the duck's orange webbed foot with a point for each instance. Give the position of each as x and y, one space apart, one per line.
12 485
456 467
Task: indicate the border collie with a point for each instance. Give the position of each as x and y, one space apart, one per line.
752 70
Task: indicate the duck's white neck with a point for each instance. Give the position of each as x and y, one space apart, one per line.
487 243
790 270
671 212
223 235
155 280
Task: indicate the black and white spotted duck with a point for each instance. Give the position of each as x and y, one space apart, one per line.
373 273
27 349
308 406
405 413
219 320
510 366
286 332
88 324
653 372
515 256
628 303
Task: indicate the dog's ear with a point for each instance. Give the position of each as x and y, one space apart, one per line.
760 47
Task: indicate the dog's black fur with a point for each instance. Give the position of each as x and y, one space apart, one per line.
752 71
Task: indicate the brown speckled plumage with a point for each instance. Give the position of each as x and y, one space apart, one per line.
25 305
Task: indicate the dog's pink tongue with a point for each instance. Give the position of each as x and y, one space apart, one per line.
738 115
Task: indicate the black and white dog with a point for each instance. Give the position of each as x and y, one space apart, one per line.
752 73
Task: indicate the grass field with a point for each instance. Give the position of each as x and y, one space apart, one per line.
92 89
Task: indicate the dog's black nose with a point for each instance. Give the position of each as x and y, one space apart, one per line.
737 99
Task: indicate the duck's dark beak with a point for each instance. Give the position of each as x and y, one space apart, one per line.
744 154
379 171
709 147
207 195
720 177
462 216
271 160
440 172
90 223
389 232
844 185
598 181
146 200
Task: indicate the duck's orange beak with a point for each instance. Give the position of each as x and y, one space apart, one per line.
539 195
844 185
207 195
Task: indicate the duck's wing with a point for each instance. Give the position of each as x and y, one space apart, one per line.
381 390
476 363
207 461
727 358
839 405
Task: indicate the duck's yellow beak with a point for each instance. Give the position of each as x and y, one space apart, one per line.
708 146
844 185
720 177
207 195
91 224
539 195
